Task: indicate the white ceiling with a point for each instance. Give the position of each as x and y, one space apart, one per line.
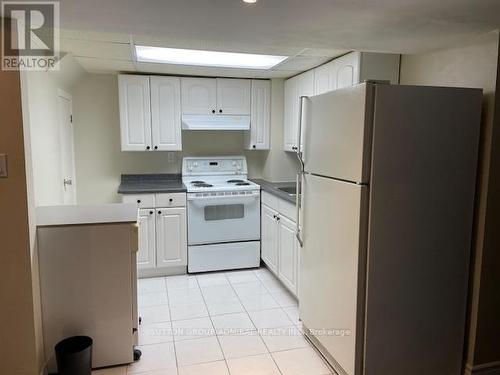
100 32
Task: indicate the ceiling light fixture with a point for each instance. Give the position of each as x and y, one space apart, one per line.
206 58
250 1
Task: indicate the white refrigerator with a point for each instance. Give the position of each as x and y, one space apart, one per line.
386 217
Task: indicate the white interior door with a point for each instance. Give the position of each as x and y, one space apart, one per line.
67 148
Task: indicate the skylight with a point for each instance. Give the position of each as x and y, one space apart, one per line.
206 58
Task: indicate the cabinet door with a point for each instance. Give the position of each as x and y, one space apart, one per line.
288 254
146 256
269 238
135 113
171 240
325 77
258 136
199 96
290 115
166 113
305 88
233 96
348 70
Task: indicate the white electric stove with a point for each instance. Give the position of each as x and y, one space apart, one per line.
223 210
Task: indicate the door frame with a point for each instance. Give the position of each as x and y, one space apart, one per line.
61 94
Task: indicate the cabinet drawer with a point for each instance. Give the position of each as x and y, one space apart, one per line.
287 209
171 200
269 199
142 200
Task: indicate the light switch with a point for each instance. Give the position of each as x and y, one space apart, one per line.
3 165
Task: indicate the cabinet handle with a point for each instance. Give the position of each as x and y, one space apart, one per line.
253 146
138 201
294 148
171 200
213 110
156 147
220 110
151 212
159 212
278 218
148 148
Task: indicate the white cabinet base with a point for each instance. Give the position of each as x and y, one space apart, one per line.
161 272
224 256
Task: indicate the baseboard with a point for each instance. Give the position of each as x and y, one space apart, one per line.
160 272
491 368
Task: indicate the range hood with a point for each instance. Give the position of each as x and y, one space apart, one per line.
215 122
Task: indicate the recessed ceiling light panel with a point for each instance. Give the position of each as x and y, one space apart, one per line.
206 58
250 1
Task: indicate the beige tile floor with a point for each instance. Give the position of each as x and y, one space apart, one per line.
224 323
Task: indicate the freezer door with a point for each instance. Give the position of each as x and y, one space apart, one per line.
337 137
330 287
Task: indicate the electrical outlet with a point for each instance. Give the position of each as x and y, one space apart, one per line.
3 165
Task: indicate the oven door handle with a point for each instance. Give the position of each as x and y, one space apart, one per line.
203 201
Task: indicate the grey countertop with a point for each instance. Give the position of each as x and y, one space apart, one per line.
272 188
151 183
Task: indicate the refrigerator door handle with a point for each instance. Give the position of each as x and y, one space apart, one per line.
299 151
298 194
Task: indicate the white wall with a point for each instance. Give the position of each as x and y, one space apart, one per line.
473 65
100 162
43 115
279 165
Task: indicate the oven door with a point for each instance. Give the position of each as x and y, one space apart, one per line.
223 217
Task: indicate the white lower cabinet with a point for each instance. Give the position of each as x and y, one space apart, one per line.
147 246
162 233
171 239
269 238
287 254
279 247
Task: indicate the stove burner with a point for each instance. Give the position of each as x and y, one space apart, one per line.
242 183
234 181
202 184
198 182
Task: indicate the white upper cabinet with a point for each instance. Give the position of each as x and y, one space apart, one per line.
354 68
199 96
325 78
344 71
257 138
290 116
166 113
135 112
233 96
301 85
347 70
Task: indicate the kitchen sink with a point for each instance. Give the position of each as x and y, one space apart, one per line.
292 190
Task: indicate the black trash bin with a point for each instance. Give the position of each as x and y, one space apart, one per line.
74 356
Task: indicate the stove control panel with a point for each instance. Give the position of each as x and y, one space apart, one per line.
226 165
